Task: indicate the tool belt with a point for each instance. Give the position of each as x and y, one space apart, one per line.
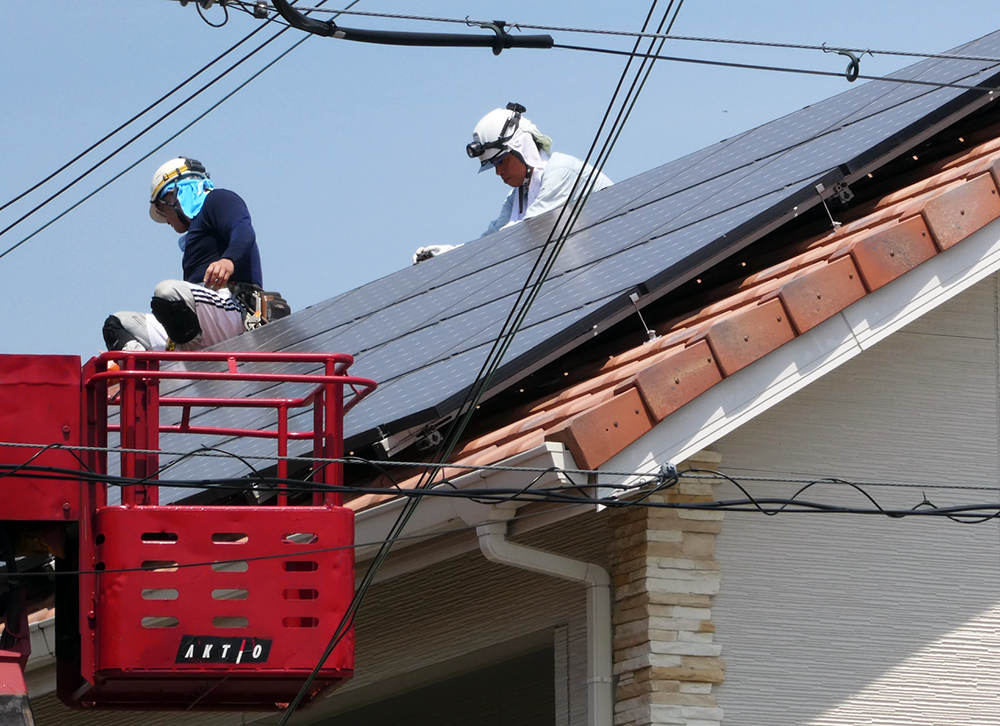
262 306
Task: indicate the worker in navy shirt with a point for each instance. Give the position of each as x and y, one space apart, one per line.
219 253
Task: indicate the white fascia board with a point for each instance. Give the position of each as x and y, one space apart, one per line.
768 381
40 671
446 517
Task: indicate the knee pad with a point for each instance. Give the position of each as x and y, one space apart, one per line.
177 318
115 335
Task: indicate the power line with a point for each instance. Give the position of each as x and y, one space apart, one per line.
127 123
156 148
787 69
148 128
381 465
560 231
657 36
548 253
136 136
638 496
853 72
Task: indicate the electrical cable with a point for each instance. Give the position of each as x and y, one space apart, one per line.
380 466
201 14
570 493
156 148
785 69
148 128
615 134
558 235
138 135
666 36
638 496
623 496
853 53
833 127
500 40
130 121
529 290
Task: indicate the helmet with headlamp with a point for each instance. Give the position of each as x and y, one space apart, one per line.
492 134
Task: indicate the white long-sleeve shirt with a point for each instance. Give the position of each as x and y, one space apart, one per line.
558 176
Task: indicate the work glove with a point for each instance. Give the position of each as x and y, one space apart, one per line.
425 253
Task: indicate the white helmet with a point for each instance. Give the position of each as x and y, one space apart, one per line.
491 137
172 171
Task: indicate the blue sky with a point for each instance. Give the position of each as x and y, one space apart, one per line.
351 156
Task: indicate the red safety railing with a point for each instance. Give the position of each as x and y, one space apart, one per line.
140 398
212 606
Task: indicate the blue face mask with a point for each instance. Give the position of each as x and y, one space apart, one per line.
182 242
191 193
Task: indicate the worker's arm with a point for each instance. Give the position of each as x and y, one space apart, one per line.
500 222
228 216
232 220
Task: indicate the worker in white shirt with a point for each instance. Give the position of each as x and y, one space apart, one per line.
522 156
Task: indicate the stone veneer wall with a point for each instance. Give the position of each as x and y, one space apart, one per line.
665 576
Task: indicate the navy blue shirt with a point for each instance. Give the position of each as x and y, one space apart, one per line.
222 229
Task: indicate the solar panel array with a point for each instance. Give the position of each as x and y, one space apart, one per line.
423 332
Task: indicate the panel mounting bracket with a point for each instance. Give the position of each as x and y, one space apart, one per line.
843 193
834 223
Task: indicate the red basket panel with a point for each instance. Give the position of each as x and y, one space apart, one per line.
212 592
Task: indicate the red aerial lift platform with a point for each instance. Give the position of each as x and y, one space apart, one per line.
178 606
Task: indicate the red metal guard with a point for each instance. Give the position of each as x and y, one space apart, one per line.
39 405
212 607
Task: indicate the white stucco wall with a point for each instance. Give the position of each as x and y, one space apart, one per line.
840 619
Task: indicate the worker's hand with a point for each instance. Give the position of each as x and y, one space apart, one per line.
425 253
218 273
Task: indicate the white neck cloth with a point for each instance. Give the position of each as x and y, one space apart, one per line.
524 144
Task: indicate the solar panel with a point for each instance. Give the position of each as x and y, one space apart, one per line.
423 332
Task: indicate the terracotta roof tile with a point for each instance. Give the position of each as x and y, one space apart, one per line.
608 379
546 419
745 335
595 436
629 356
886 254
523 442
742 298
370 500
679 376
820 292
959 211
490 439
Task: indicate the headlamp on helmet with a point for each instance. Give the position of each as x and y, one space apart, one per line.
489 140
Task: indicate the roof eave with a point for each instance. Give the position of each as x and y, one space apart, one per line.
749 392
444 527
